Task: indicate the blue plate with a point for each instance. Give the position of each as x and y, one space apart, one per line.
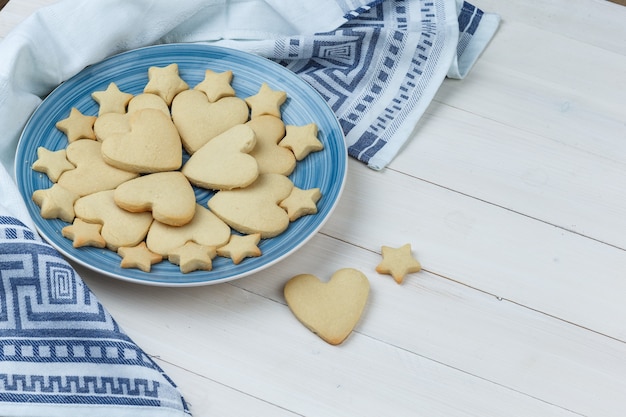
325 169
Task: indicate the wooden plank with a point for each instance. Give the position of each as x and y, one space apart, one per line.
364 376
529 174
531 263
595 22
475 332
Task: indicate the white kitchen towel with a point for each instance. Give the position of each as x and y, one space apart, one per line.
377 63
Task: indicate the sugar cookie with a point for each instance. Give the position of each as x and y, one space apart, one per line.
216 85
255 209
205 228
193 257
168 195
240 247
56 202
77 126
329 309
302 140
271 157
52 163
91 174
119 227
151 145
199 121
111 100
266 101
139 257
223 163
82 234
165 82
398 262
301 202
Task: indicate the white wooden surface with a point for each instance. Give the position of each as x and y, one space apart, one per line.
513 196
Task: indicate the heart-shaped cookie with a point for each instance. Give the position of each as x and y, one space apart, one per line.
151 145
110 124
119 227
329 309
223 163
168 195
199 121
255 209
91 174
271 157
204 229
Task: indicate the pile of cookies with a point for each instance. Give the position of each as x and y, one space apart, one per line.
124 183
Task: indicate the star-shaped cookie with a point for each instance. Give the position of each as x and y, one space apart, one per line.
192 257
56 202
302 140
165 82
139 257
398 262
266 101
77 126
83 233
301 202
240 247
52 163
216 85
111 100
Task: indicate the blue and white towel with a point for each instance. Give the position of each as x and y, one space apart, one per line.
378 63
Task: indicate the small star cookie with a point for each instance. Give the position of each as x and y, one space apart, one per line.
192 257
302 140
56 202
398 262
301 202
83 233
52 163
165 82
139 257
216 85
77 126
240 247
266 101
111 100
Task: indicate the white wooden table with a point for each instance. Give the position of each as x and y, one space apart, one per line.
513 196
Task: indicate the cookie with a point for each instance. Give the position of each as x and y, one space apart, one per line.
77 126
139 257
110 124
193 257
398 262
91 174
255 209
270 157
165 82
82 234
205 229
241 247
119 227
199 120
301 202
151 145
302 140
52 163
223 163
168 195
266 102
56 202
329 309
111 100
216 85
